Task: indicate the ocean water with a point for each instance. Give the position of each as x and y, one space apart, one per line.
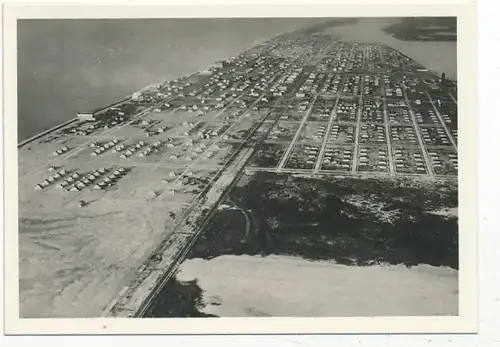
66 66
438 56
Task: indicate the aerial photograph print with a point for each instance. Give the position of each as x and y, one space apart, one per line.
237 167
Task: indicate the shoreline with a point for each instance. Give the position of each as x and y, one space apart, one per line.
393 296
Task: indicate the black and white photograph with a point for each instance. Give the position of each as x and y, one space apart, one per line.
238 167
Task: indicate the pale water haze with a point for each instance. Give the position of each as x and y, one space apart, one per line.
66 66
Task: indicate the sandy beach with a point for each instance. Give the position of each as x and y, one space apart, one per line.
250 286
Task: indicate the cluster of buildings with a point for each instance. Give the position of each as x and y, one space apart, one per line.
346 110
303 157
454 133
60 151
334 133
130 150
48 181
320 132
438 137
371 111
398 115
407 162
288 70
337 158
357 60
377 164
430 113
403 134
371 85
372 133
75 182
331 84
443 163
99 149
351 85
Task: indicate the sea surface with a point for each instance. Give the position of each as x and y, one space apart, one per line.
67 66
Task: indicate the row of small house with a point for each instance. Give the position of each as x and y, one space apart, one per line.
52 179
338 158
60 151
446 118
97 179
351 85
320 133
381 161
347 107
398 91
311 153
402 160
440 133
380 134
437 162
401 112
99 149
397 134
371 84
335 132
432 116
311 84
140 148
367 115
331 83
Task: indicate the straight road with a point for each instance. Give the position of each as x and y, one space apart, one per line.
392 169
296 136
419 136
327 134
452 140
328 128
358 125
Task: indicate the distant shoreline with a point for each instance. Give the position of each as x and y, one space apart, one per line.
420 29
